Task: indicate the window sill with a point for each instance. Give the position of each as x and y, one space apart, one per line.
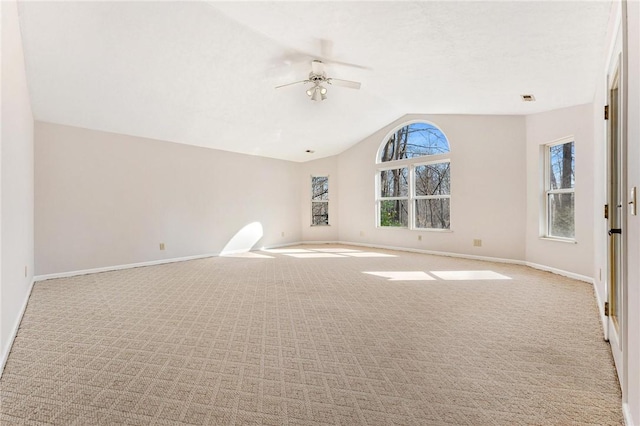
416 229
319 226
559 240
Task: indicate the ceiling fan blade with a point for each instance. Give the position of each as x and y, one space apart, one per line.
291 84
344 83
317 67
301 57
326 55
345 64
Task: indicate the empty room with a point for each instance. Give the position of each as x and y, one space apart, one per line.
320 213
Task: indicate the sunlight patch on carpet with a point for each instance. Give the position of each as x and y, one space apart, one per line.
403 275
312 255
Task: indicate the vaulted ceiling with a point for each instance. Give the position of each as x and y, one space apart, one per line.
204 73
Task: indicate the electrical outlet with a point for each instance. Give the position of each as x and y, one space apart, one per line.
161 246
477 243
362 233
25 271
282 234
419 237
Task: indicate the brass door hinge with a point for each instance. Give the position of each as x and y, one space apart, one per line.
606 309
606 112
606 211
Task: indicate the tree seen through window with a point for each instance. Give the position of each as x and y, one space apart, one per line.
319 200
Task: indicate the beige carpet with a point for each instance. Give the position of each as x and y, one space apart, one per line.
306 337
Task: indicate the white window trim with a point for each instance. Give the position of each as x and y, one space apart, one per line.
320 201
545 220
415 197
396 166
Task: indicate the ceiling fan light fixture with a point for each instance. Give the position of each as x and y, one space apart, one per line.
317 92
317 96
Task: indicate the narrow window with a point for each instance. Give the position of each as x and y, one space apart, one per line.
319 200
560 190
394 197
432 195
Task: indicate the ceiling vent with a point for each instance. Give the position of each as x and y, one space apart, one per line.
528 98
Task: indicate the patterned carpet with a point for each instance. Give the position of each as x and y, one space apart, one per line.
312 336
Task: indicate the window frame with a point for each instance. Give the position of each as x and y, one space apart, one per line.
394 165
416 197
545 225
320 201
410 164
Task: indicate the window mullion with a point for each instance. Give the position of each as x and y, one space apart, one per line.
412 193
561 191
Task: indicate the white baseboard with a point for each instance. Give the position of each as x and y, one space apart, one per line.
16 326
320 242
600 307
626 413
149 263
119 267
561 272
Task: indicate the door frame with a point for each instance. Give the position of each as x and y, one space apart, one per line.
616 189
616 64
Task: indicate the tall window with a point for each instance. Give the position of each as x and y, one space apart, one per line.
319 200
394 197
414 178
560 190
432 195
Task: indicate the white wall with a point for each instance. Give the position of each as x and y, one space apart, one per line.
542 129
105 199
16 189
327 166
633 223
487 179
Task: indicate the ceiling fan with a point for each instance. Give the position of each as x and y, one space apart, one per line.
318 77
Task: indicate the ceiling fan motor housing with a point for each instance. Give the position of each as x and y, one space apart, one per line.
317 78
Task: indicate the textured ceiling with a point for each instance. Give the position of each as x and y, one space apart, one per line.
203 73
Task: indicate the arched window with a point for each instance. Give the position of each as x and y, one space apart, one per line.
414 178
414 140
